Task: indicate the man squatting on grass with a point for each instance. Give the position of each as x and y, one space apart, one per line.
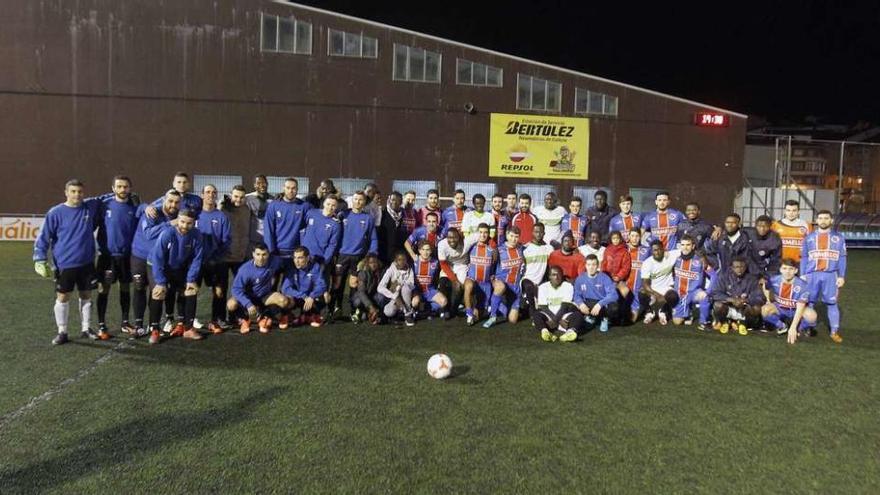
497 270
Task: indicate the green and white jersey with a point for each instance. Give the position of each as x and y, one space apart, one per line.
660 272
552 220
536 261
554 297
472 219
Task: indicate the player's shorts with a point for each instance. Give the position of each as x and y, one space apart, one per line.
686 304
286 263
824 285
428 295
511 299
482 293
112 269
347 263
82 278
258 302
175 279
214 274
785 314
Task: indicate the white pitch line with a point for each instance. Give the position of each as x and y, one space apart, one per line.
47 395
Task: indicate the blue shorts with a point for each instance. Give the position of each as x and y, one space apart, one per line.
482 293
511 299
633 300
428 295
822 284
686 304
785 314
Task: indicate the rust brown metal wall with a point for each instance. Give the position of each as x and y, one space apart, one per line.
94 88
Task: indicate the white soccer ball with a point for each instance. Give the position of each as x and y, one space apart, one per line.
439 366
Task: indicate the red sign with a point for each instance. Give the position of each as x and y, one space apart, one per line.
709 119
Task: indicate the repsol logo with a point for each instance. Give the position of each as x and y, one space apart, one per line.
514 127
511 167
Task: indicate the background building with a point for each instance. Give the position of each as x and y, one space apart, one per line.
231 88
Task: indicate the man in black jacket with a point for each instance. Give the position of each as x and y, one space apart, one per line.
391 232
694 226
737 298
733 242
766 248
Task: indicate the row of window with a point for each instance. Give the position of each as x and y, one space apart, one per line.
643 198
414 64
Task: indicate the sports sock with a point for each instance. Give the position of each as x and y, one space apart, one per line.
155 312
774 320
218 308
704 310
102 307
124 303
61 310
833 317
435 306
85 311
804 324
189 310
494 302
140 306
469 311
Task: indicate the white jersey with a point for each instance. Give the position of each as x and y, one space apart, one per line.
587 249
536 261
552 220
554 297
661 273
472 219
458 259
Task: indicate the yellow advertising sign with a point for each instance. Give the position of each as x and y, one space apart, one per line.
539 146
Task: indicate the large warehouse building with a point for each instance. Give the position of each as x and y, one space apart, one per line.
231 88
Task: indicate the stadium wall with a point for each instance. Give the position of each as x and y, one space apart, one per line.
95 88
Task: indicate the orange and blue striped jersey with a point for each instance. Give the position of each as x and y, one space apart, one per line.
689 275
511 264
482 263
788 294
426 274
824 252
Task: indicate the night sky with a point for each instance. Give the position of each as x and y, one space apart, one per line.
786 61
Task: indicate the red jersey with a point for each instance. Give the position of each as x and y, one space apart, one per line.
572 264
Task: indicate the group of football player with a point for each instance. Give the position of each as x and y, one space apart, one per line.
296 261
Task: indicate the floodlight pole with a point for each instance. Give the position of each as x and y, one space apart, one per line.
840 177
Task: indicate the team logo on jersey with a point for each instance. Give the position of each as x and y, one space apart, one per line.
278 214
834 238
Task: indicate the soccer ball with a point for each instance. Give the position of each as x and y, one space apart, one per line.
439 366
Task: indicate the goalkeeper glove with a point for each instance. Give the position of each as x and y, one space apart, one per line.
42 269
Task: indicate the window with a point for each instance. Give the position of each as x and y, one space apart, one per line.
343 44
286 34
347 187
538 94
473 74
223 183
591 102
536 191
487 189
276 185
415 64
643 198
419 186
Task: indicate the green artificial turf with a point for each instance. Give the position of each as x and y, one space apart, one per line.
350 409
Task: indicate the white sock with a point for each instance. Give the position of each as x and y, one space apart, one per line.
61 310
85 310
